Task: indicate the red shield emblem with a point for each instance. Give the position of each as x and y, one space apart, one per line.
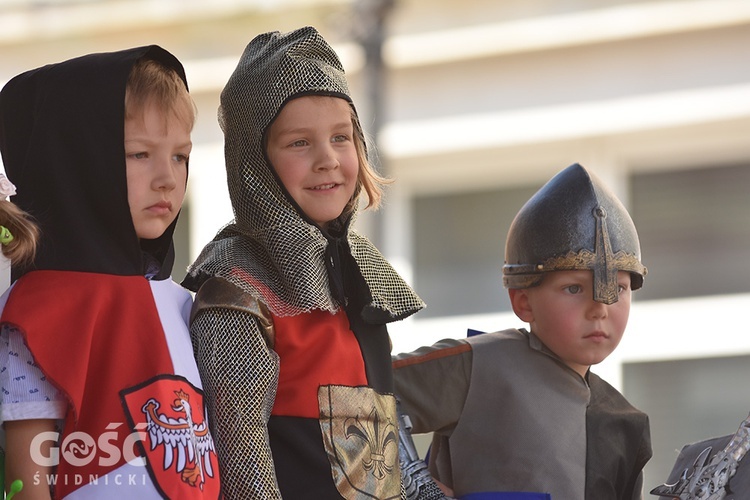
175 439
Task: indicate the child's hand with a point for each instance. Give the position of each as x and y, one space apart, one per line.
446 490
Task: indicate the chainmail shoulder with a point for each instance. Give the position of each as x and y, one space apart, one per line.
289 285
392 298
240 377
281 266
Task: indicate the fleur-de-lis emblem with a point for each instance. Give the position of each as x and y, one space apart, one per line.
377 434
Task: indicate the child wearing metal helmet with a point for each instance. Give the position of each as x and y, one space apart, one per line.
519 410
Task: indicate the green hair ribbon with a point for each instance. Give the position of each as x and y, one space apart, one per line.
5 235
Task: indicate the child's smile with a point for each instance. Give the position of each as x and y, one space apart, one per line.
311 147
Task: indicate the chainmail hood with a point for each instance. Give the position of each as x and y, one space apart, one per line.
271 249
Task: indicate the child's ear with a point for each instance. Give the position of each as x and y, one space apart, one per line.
519 299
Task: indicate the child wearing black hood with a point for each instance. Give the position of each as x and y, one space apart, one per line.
100 392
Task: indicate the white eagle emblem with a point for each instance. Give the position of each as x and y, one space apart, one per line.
186 444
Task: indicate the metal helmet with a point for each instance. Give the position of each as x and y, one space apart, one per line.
574 222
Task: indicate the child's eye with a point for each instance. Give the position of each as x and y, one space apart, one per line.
138 156
574 289
621 288
340 138
299 143
179 158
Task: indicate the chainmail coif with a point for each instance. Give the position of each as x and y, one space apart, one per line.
270 250
274 254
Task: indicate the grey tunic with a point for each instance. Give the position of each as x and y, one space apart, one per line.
508 415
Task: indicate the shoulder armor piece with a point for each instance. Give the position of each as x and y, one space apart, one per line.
220 293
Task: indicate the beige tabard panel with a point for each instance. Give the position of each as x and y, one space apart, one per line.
360 435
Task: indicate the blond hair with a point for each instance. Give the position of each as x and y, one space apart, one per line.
22 249
151 82
367 178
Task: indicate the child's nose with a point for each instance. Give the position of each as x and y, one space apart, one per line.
598 310
164 175
327 158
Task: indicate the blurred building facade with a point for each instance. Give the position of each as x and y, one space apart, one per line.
482 102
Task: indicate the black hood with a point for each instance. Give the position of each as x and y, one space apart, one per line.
62 143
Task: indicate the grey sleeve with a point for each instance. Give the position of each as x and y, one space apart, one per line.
432 384
240 376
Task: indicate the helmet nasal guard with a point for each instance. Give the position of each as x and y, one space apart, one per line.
574 222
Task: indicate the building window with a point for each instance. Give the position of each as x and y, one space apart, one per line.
687 401
459 247
694 231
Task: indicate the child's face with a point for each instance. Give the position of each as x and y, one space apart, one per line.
563 314
311 147
156 153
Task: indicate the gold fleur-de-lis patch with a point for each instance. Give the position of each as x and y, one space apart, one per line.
377 437
360 434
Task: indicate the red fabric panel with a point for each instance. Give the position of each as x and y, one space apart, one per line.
92 335
315 348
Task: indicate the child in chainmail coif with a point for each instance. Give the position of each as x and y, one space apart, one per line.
289 325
